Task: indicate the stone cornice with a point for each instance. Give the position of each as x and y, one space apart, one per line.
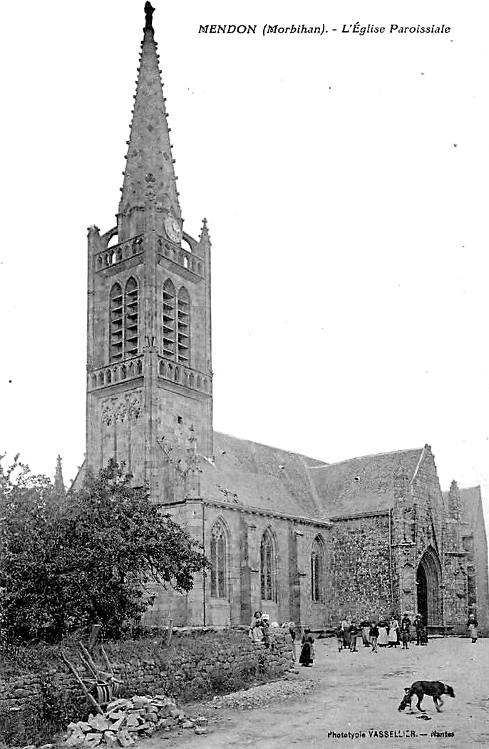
257 511
355 516
455 553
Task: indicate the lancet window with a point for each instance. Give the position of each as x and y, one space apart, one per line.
131 299
169 320
183 327
116 323
124 320
218 561
317 570
268 567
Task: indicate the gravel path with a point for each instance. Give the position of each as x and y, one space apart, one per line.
351 700
263 694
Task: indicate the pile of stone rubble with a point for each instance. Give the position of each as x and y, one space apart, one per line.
125 720
263 694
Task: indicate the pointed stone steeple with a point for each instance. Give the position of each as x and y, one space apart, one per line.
149 191
59 484
149 350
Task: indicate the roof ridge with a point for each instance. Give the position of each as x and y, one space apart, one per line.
371 455
475 487
271 447
420 460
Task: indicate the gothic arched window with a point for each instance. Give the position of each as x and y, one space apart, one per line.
268 568
183 327
116 324
168 320
218 561
317 570
131 317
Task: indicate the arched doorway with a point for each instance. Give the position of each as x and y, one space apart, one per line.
428 581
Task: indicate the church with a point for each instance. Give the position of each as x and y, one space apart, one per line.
295 537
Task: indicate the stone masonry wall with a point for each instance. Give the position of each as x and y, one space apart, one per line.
478 567
360 568
36 703
293 544
455 592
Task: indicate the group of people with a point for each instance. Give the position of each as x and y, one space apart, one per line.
307 654
383 634
260 632
259 628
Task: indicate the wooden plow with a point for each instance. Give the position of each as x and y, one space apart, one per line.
99 686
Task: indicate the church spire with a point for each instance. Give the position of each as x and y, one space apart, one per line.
59 484
149 191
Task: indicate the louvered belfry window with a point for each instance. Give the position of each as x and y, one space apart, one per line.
131 317
183 327
124 320
116 324
168 320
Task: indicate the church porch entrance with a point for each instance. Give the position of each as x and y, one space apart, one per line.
429 594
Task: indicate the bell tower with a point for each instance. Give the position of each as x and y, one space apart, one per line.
149 368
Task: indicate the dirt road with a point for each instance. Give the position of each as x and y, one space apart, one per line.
354 703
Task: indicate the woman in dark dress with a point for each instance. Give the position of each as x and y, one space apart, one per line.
307 652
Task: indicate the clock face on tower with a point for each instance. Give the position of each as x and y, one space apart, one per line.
173 229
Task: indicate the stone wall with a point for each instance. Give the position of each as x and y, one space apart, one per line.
360 568
35 703
293 543
455 592
477 567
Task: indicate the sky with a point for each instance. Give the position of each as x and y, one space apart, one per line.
344 179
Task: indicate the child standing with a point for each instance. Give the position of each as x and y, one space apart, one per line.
339 638
374 634
353 637
405 631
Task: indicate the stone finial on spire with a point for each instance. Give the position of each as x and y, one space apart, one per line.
454 501
204 232
59 484
192 478
148 12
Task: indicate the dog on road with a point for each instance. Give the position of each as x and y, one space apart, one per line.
433 689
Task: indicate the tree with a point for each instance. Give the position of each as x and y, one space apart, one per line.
27 511
69 562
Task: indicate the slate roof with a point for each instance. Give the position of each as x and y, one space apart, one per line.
362 484
260 476
471 505
268 478
77 482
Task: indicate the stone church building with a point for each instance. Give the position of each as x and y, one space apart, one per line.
290 535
